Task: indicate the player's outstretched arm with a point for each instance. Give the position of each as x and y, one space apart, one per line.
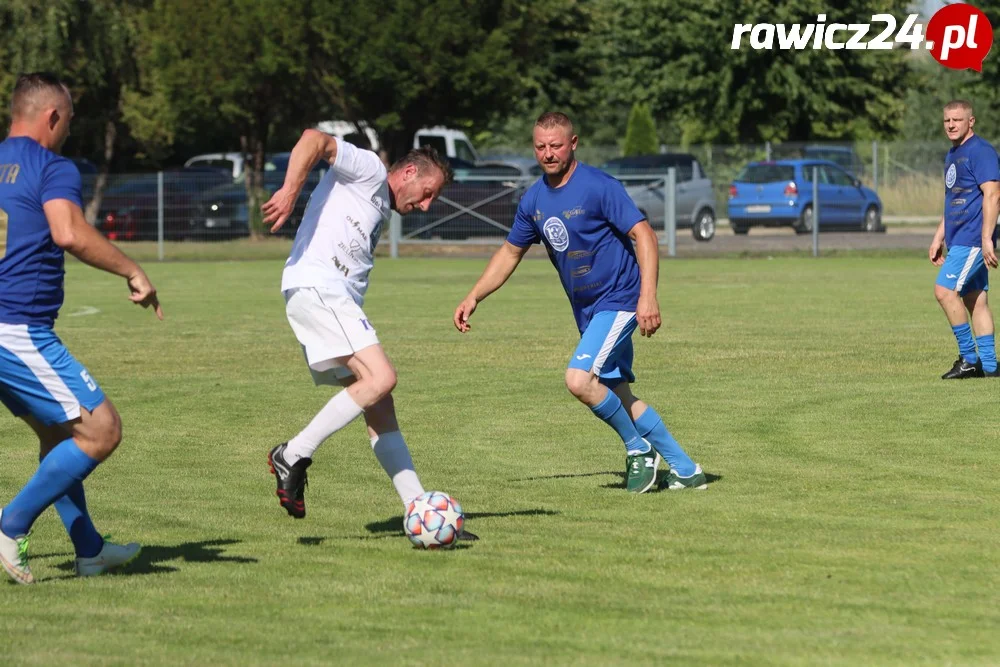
71 232
648 254
499 269
312 146
936 252
991 209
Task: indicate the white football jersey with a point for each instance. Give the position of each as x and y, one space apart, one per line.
335 243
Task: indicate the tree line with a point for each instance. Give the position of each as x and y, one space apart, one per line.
155 81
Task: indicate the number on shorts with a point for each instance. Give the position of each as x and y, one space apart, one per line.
91 385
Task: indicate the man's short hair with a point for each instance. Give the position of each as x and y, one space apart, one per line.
551 119
32 90
965 105
425 158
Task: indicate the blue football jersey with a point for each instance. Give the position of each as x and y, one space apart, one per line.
584 225
31 264
966 167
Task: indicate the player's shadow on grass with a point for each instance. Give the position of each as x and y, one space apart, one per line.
394 527
571 475
153 556
709 479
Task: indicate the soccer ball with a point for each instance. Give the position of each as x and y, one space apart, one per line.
434 520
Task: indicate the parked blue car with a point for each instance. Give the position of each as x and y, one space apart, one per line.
780 194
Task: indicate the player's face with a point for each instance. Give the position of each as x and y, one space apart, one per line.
958 123
554 149
419 190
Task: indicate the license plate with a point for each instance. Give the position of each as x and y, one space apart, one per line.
760 208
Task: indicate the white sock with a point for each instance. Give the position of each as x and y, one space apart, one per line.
391 451
335 415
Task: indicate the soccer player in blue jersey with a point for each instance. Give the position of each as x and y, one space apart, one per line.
40 381
588 224
968 231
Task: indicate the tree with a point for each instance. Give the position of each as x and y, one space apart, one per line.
640 137
403 65
677 56
91 46
237 67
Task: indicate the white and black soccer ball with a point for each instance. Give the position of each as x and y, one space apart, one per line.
434 520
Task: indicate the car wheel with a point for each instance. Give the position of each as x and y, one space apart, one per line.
805 223
873 220
704 226
741 230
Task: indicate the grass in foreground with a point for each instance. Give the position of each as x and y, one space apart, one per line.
851 520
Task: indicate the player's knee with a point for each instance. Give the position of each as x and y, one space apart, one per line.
578 382
385 382
944 295
104 431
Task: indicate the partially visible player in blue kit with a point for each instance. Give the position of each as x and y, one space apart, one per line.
588 223
968 231
40 381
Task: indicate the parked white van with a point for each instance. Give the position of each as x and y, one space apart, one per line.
445 140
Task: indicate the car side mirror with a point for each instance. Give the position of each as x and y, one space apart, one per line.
857 182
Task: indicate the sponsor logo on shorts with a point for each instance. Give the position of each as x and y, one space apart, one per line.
581 357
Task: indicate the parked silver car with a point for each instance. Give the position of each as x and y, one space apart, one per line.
644 177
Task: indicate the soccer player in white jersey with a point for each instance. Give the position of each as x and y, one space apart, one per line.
324 284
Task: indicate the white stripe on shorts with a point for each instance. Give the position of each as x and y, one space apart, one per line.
16 340
621 319
964 275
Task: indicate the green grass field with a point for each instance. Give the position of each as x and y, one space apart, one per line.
852 516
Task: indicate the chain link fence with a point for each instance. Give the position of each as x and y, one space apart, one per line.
206 205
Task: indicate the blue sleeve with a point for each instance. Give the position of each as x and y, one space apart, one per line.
61 180
523 232
984 165
618 207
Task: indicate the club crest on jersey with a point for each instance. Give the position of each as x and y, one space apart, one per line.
555 232
951 176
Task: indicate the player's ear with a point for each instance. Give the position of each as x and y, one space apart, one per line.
52 118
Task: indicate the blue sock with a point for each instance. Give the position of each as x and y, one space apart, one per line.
65 466
652 428
966 343
987 352
72 510
613 413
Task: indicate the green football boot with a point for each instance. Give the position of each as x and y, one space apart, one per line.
640 470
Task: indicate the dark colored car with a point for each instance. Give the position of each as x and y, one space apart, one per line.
88 176
130 205
481 201
223 212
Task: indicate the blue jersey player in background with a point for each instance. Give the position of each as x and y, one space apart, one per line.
40 381
588 223
968 231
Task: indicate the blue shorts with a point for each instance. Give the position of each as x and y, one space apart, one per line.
39 377
605 348
964 270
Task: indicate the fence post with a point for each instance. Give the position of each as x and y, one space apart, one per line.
395 231
886 179
875 165
815 229
670 210
159 215
767 150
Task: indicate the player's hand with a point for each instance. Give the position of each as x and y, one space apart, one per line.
279 207
463 313
990 254
143 292
648 314
935 253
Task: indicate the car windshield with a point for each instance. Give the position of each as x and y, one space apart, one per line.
766 173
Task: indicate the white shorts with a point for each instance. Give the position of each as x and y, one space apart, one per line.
328 326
